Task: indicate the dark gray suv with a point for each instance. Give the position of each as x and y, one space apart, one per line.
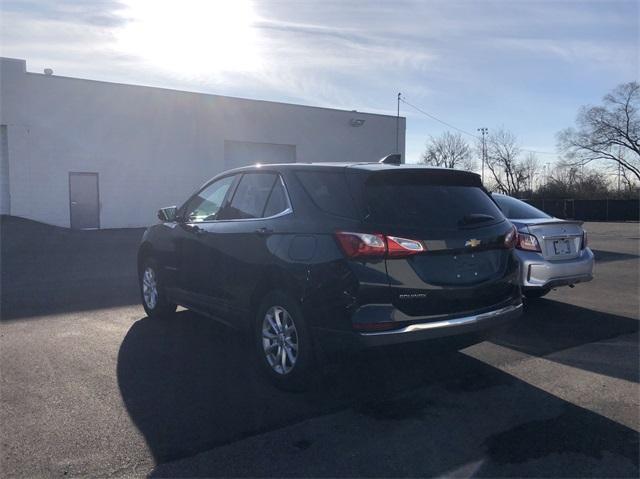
309 255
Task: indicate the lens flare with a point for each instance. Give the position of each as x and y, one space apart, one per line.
191 37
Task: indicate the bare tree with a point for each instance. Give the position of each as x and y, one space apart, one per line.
602 131
508 172
531 165
573 181
449 150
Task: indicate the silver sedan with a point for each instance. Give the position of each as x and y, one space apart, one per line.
552 252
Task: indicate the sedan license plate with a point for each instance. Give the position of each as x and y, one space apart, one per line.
561 247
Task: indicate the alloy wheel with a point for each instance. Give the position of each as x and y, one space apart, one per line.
150 288
279 340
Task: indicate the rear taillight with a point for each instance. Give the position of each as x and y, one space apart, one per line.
357 245
511 238
527 242
368 245
401 247
585 241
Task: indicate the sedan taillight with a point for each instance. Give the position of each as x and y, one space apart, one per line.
527 242
585 241
368 245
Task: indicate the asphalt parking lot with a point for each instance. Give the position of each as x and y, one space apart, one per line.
90 386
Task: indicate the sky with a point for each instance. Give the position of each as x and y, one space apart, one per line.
522 65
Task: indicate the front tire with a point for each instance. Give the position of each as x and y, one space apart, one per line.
154 298
283 342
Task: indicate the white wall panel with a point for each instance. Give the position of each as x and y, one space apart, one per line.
153 147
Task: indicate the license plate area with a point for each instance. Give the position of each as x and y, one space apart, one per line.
561 247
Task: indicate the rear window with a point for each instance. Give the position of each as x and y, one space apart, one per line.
329 191
516 209
419 204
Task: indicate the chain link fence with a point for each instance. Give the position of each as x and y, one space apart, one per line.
590 210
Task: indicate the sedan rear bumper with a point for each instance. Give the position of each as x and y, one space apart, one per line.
536 272
439 329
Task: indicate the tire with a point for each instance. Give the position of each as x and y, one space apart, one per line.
535 293
286 355
154 299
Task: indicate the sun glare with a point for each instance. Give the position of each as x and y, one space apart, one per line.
191 37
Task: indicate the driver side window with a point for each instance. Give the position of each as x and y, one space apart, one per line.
206 204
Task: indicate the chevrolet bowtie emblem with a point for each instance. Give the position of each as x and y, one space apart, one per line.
472 242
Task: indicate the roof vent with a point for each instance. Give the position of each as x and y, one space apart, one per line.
48 71
394 159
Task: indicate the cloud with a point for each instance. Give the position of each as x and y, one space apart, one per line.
527 64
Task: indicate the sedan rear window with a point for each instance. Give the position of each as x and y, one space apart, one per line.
518 210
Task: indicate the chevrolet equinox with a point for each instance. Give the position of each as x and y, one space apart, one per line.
307 255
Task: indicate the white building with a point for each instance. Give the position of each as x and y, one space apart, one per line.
86 153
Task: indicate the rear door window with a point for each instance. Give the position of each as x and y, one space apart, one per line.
329 191
277 202
250 198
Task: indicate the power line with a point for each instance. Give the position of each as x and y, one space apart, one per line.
438 119
460 129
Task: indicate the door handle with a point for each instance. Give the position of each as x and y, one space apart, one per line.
264 231
195 229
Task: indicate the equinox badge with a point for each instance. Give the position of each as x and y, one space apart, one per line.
472 242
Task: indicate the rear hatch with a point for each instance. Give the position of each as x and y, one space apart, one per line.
465 265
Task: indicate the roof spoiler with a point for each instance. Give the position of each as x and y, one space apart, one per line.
394 159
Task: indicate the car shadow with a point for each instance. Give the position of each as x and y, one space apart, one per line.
602 256
549 326
189 384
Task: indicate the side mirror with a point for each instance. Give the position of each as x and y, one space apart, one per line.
167 214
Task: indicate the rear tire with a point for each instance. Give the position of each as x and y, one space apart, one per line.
283 343
536 293
154 298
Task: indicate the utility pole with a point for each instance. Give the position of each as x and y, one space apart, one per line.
398 126
483 131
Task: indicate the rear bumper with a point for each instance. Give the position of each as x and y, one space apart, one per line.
439 329
536 272
333 341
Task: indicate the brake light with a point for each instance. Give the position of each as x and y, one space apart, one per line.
368 245
357 245
511 238
585 241
527 242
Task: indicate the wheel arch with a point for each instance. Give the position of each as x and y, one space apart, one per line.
144 251
275 279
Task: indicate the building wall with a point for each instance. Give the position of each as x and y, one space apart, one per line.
153 147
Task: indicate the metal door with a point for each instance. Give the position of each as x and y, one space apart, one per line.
84 202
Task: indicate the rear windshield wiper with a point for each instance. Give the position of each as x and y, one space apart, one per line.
475 218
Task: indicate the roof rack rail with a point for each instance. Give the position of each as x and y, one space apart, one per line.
394 159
